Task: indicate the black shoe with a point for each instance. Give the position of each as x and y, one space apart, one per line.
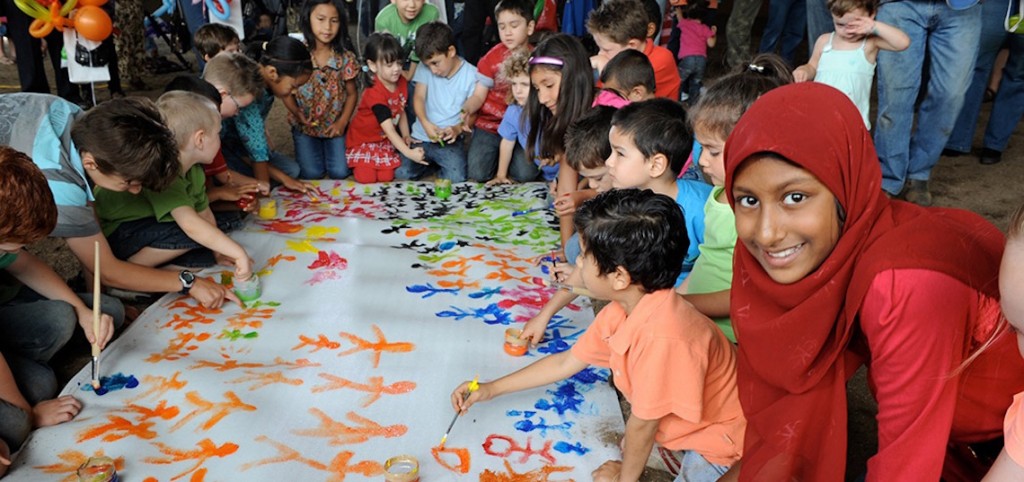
947 152
917 192
990 156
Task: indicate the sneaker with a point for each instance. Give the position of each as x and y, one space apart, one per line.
947 152
990 156
917 193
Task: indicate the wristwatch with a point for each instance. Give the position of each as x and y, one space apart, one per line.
187 280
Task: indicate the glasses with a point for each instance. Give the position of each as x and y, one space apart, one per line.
238 107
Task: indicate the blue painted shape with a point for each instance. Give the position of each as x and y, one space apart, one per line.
429 290
113 383
565 399
491 314
591 375
527 425
566 448
486 293
557 343
445 246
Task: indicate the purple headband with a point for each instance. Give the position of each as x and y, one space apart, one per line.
546 61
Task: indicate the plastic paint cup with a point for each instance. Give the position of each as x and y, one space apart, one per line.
443 188
248 290
402 468
98 469
268 208
514 345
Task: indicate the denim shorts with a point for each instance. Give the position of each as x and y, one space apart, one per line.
129 238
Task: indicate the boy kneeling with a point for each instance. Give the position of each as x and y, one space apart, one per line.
676 368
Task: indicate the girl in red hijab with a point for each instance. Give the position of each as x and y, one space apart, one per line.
830 274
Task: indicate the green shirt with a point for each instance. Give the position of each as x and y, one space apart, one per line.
115 208
389 21
713 270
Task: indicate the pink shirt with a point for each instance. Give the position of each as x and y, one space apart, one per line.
693 38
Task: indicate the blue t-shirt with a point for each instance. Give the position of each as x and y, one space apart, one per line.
515 126
445 96
40 125
691 198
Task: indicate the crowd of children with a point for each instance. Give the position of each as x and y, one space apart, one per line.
792 211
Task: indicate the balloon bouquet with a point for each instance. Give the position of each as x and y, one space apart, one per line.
84 25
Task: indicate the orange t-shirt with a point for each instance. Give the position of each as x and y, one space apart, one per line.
666 75
1013 430
674 365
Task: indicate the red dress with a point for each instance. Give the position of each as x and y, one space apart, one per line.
366 144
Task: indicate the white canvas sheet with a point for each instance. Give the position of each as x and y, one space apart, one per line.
377 301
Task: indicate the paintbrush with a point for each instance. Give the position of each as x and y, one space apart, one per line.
473 386
576 290
96 319
312 197
528 211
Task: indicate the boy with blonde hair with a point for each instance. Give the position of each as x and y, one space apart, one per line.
156 228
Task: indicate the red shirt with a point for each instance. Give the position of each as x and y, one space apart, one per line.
365 127
218 165
666 76
493 110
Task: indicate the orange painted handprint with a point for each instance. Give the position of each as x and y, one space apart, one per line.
217 410
374 387
378 347
363 429
206 450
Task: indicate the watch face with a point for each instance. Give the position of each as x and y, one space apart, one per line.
187 277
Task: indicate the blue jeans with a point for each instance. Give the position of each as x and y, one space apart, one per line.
32 330
1009 100
451 159
482 159
131 237
691 72
786 24
695 468
234 153
819 22
951 39
319 155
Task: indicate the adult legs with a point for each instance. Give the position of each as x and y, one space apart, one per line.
778 15
1009 101
899 79
992 38
793 32
819 21
952 45
474 18
737 29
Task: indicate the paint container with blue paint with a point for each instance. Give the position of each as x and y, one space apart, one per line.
248 289
98 469
402 468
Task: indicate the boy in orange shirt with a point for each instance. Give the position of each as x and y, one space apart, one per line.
618 25
673 364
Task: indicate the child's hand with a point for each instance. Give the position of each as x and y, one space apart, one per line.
461 403
468 120
534 329
106 328
862 25
449 134
210 294
566 204
417 155
562 272
548 161
802 74
296 185
336 129
53 412
500 180
243 268
607 472
432 131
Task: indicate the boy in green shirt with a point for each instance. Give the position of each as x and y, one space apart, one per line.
169 226
402 19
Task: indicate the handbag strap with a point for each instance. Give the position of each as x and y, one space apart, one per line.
1020 16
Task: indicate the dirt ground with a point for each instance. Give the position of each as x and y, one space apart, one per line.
961 182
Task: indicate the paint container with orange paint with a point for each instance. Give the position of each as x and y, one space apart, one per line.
514 345
402 468
98 469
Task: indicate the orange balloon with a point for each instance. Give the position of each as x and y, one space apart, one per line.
93 23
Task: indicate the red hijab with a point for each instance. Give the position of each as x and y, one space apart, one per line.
792 338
